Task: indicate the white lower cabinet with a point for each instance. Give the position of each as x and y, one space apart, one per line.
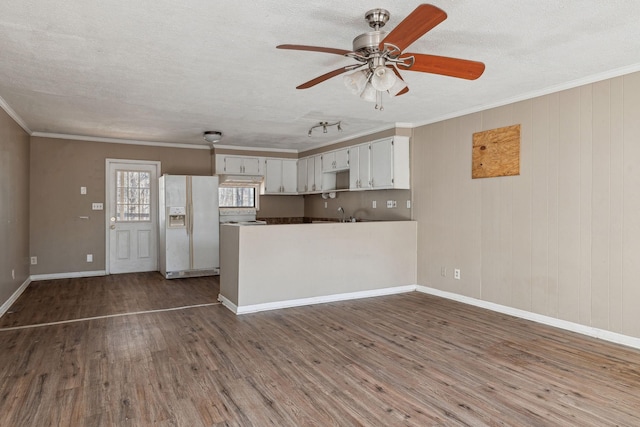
280 176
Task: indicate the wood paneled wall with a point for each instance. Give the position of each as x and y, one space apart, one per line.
562 239
14 207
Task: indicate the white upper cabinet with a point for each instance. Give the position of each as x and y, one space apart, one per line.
380 164
335 161
280 176
238 165
390 163
359 167
302 176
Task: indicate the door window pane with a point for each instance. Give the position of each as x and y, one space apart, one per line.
133 202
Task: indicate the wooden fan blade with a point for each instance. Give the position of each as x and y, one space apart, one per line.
313 49
445 66
324 77
414 26
397 73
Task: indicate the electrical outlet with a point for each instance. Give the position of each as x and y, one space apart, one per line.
391 204
34 260
89 257
325 205
83 190
395 204
443 271
373 204
456 274
408 204
97 206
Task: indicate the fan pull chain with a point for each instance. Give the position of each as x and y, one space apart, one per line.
379 101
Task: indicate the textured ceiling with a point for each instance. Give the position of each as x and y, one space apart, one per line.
165 71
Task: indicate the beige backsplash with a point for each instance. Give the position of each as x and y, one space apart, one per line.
359 205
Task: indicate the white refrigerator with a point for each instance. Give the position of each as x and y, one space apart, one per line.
189 226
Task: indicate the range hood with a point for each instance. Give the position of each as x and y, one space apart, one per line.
240 180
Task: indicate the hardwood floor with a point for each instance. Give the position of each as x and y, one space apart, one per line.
409 359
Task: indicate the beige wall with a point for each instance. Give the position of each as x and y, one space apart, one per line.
14 206
563 238
59 167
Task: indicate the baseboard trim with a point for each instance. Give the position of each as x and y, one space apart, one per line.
71 275
602 334
14 297
254 308
227 303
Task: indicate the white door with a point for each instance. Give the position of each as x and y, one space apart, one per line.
132 216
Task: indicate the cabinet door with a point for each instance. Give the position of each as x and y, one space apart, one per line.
364 166
354 178
232 164
311 174
273 176
289 176
382 163
251 166
302 176
317 173
328 161
341 159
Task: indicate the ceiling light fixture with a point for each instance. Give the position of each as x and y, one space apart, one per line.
212 136
324 126
377 78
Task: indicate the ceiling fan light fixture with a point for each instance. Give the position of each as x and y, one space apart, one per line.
398 86
356 81
369 93
382 78
212 136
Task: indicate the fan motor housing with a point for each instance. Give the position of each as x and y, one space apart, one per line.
368 43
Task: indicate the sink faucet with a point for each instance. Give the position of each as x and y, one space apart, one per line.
340 209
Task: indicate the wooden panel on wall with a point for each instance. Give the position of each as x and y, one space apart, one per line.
496 152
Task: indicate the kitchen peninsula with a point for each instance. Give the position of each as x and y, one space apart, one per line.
275 266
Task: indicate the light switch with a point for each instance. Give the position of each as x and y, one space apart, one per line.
83 190
96 206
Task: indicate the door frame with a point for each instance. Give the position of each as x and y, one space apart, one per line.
107 205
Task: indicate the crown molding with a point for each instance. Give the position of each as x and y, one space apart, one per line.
594 78
7 109
119 141
350 137
245 148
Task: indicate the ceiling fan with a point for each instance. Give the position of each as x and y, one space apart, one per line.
380 56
